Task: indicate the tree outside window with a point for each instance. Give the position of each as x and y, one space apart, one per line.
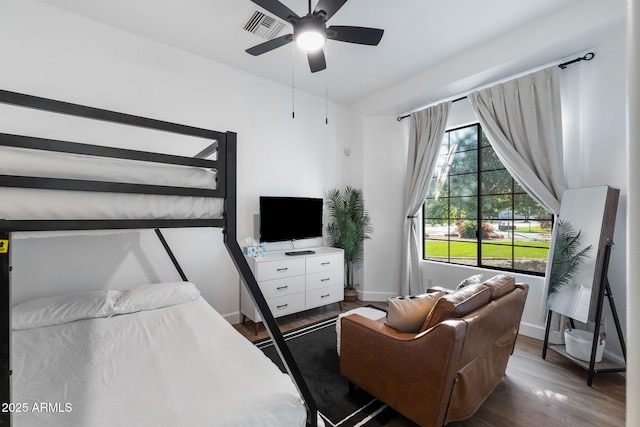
476 214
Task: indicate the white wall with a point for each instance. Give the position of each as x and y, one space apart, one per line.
52 53
595 150
595 141
383 184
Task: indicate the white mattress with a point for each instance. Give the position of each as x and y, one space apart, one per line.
181 365
28 204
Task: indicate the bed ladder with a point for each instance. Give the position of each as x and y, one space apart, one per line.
231 242
228 152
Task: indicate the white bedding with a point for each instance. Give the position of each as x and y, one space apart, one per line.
180 365
27 204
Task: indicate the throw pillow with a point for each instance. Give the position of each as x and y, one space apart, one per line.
470 281
407 313
457 304
500 285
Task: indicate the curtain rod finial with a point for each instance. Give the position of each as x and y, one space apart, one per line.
588 57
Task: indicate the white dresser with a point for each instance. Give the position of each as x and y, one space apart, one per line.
294 283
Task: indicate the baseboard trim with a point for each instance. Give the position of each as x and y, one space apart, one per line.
537 332
233 318
375 296
615 357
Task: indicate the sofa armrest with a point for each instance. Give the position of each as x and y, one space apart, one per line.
412 373
378 326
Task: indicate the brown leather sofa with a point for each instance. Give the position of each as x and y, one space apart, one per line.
445 372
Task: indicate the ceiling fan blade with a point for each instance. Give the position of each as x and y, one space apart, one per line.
316 60
270 45
359 35
277 8
329 6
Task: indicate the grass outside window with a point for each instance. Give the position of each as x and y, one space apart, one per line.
438 248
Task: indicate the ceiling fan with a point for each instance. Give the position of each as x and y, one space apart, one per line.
310 32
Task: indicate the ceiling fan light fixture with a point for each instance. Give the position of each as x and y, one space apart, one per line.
310 40
310 31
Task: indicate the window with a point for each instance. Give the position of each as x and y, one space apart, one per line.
471 187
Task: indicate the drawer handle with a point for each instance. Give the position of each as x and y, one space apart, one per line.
325 296
325 280
283 269
282 288
325 263
282 306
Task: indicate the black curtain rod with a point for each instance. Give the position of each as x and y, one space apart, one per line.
399 118
588 57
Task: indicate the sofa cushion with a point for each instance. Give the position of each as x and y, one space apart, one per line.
500 285
457 304
408 313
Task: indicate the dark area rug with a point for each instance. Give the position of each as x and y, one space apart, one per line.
314 349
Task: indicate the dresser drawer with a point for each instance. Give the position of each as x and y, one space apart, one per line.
324 279
324 262
281 306
269 270
280 287
320 297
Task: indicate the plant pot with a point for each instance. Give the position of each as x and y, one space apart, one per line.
350 295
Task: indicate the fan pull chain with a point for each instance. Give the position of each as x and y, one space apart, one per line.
326 88
326 114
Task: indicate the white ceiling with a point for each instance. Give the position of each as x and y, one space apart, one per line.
419 34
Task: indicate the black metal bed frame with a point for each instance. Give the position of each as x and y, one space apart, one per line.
226 166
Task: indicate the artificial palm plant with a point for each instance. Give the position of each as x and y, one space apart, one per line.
566 256
349 225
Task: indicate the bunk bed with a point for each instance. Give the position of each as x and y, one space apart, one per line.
208 201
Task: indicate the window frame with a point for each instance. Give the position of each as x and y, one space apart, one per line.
480 219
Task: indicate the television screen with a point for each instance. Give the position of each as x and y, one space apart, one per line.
290 218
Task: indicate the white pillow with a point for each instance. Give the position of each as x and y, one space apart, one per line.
156 295
408 313
61 309
473 280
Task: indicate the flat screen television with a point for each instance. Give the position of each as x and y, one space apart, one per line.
290 218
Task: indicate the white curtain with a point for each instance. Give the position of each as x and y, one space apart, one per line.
425 138
523 121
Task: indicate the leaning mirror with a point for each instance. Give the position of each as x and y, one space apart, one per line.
583 230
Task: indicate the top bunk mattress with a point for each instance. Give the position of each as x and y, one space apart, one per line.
179 365
44 204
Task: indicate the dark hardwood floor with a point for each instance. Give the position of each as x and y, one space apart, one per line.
534 392
294 321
